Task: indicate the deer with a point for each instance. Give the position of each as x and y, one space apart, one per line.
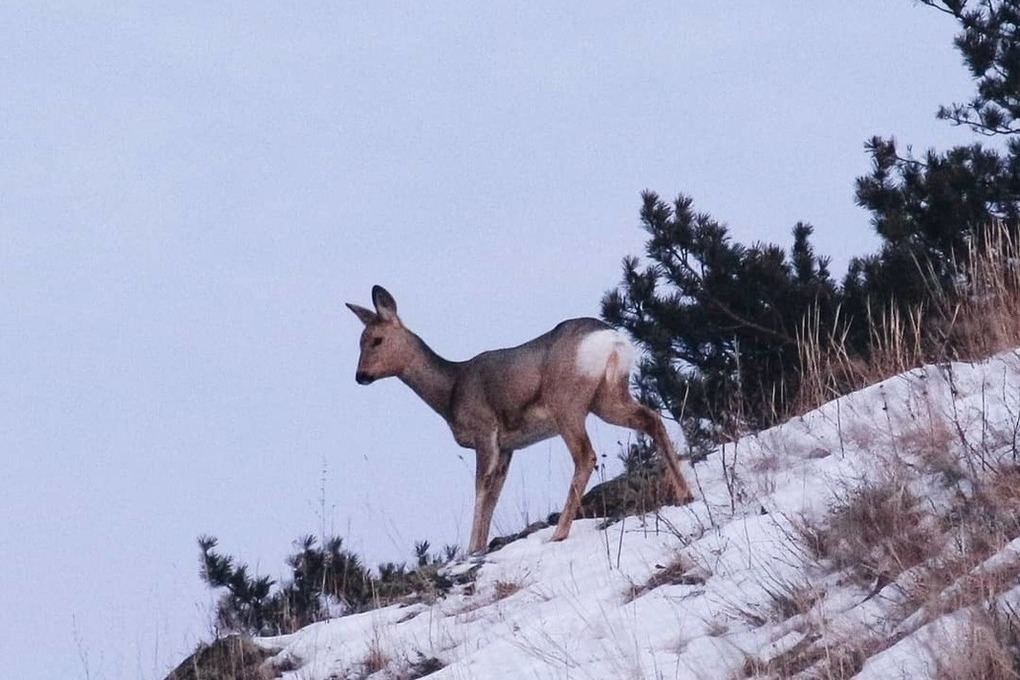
504 400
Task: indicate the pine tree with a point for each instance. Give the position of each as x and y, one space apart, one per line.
247 604
719 320
929 210
325 581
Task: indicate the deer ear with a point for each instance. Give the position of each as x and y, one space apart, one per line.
385 305
367 316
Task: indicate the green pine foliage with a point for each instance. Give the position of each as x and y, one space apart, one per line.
934 210
719 320
325 580
723 324
247 605
639 456
930 210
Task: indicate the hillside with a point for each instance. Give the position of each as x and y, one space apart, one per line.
875 537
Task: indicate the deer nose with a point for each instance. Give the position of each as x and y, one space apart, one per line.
363 378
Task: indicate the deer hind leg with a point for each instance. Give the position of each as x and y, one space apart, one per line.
616 405
491 467
584 463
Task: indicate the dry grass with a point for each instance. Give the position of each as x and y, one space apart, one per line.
999 496
503 589
375 658
931 446
941 557
989 649
977 528
942 554
681 570
403 667
844 659
983 318
789 600
874 533
423 666
787 664
829 369
785 601
231 658
881 532
975 320
989 517
818 657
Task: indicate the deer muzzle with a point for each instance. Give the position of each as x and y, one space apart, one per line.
363 378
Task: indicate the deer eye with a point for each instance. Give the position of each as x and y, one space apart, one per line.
377 342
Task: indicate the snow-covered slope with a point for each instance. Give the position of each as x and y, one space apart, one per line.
765 574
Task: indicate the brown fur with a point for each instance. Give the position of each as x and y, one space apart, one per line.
506 399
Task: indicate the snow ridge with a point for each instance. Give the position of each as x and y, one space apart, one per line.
691 592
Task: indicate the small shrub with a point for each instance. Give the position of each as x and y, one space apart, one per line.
230 658
638 456
989 649
816 657
681 571
968 317
932 445
247 606
875 532
375 658
787 664
325 581
396 582
422 666
631 493
505 588
998 496
791 599
845 660
985 303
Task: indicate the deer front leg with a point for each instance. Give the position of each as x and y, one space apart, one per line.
491 467
584 463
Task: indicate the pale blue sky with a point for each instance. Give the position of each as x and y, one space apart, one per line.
189 191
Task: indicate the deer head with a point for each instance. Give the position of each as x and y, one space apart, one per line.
385 343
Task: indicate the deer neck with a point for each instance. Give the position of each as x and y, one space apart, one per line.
431 377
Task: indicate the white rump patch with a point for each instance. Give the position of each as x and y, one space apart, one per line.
595 350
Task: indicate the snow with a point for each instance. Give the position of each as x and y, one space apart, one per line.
584 608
